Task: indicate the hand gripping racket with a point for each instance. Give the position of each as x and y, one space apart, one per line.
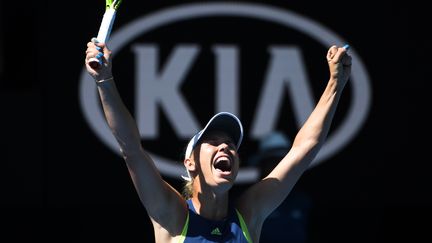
105 27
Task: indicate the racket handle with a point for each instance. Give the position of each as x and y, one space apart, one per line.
103 34
106 25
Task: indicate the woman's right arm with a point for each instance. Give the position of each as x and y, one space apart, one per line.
162 202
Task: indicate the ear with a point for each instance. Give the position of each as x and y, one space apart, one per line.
189 163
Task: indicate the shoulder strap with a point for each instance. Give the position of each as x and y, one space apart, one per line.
185 229
244 227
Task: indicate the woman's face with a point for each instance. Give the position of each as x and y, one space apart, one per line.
218 160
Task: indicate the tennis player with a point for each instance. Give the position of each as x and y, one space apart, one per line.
204 212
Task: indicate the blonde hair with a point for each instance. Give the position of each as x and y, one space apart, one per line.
187 189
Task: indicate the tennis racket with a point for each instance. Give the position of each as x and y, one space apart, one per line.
105 28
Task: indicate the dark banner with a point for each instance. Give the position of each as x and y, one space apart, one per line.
176 63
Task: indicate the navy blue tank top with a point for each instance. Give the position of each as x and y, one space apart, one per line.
199 229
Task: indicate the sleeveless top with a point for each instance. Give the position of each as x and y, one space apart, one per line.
202 230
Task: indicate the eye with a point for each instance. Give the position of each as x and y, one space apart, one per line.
231 145
213 142
217 142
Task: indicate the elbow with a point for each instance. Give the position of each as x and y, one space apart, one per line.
130 153
307 144
307 150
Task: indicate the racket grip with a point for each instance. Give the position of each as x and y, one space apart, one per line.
106 25
103 34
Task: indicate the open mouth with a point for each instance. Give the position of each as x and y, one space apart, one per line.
223 164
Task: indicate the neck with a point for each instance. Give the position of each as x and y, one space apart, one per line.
209 204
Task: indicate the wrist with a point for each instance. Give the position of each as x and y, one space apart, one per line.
106 80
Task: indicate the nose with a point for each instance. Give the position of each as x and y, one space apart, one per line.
223 147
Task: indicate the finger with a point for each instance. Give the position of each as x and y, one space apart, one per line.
98 57
94 40
341 52
92 46
101 47
346 47
331 52
94 61
93 52
93 49
105 51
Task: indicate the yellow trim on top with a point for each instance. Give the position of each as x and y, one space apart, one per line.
244 227
185 229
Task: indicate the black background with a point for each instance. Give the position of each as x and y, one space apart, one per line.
60 183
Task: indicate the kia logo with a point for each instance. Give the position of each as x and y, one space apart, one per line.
158 86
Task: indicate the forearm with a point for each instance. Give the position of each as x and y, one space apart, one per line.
309 139
314 132
276 186
119 119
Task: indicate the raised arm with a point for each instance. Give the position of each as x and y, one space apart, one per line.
163 203
269 193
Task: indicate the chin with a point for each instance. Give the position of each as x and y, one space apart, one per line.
225 181
223 186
